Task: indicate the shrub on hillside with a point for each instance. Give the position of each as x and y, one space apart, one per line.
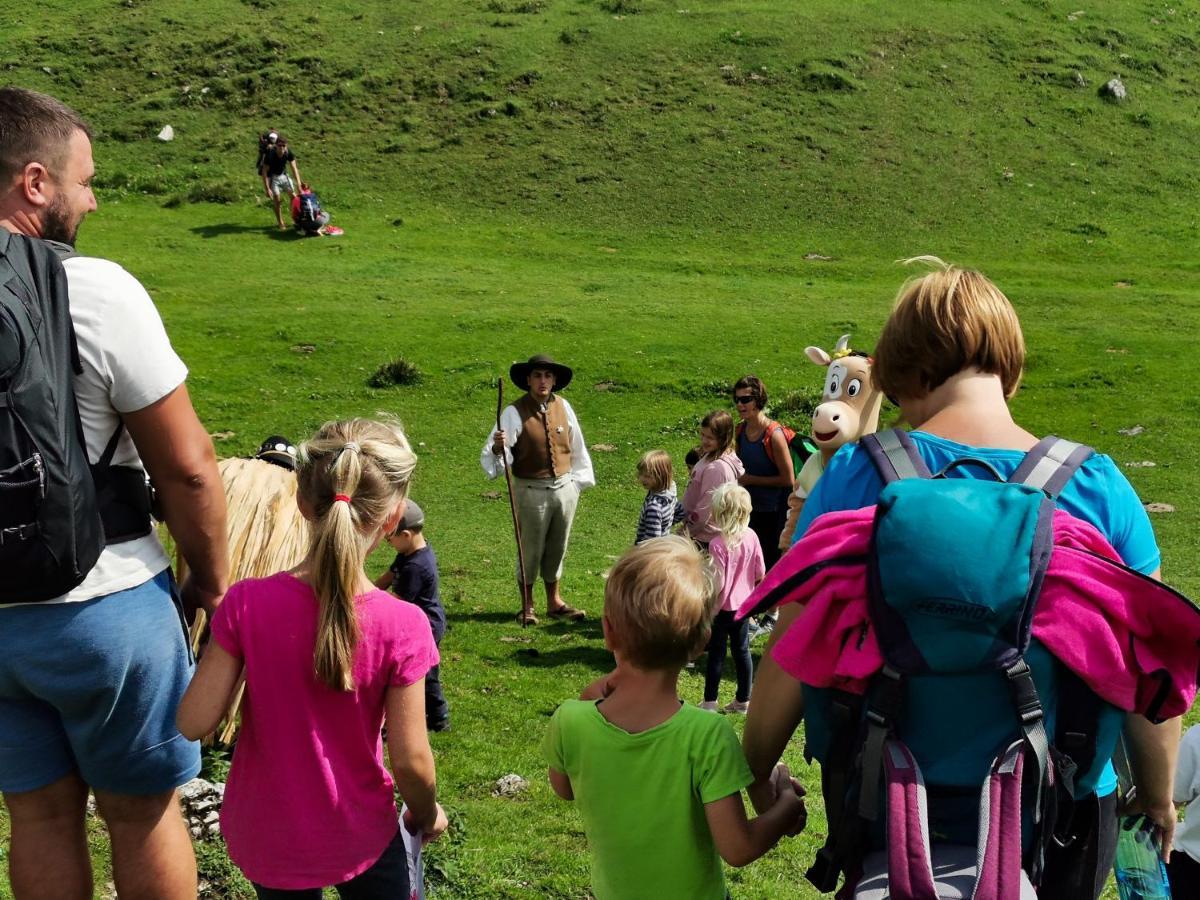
397 372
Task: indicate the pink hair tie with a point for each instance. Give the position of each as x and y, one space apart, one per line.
344 498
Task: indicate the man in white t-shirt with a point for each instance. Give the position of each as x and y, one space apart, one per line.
89 681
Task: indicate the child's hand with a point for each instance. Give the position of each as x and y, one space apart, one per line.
600 688
791 792
433 832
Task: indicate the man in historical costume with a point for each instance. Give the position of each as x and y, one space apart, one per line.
540 438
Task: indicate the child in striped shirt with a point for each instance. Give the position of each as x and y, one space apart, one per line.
661 509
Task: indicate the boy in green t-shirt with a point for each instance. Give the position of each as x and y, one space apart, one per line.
657 782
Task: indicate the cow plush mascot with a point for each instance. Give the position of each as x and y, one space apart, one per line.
849 409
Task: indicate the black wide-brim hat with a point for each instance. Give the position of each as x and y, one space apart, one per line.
519 372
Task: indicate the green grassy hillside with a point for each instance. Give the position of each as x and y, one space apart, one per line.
634 186
873 123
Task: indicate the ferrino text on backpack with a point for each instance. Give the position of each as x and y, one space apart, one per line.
968 654
51 527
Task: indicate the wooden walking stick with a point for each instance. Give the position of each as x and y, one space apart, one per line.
512 506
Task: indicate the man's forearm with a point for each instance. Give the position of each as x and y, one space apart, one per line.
194 508
1153 750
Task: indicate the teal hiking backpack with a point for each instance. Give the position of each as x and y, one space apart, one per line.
968 700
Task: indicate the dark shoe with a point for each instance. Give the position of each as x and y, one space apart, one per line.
440 725
567 613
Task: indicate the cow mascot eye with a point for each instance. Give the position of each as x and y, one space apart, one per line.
853 387
833 387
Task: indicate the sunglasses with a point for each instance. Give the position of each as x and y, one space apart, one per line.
740 401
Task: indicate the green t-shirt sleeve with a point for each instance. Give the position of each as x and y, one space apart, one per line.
722 769
552 748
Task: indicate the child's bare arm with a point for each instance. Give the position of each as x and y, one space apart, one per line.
740 840
207 697
561 784
412 758
384 581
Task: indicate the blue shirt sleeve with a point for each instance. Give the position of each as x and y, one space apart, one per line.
1101 494
848 482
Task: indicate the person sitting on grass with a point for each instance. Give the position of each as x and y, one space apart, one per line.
738 557
307 214
660 509
413 576
327 658
657 782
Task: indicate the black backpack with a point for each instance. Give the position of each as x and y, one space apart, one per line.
51 532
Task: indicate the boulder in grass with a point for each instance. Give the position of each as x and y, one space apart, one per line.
1113 90
167 134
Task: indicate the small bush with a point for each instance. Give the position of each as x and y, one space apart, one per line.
796 407
621 7
397 372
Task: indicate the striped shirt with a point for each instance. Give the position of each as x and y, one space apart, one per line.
660 511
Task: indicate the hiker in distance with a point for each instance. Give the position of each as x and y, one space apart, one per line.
540 438
273 169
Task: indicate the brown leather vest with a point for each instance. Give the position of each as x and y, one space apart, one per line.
543 448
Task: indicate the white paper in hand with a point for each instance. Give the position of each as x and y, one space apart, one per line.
412 849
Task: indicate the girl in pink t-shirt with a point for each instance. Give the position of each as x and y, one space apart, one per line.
737 555
327 659
718 465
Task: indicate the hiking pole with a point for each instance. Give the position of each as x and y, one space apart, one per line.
512 506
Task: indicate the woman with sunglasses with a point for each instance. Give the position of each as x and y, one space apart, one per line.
762 448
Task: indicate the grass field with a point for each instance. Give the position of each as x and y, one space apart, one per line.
633 186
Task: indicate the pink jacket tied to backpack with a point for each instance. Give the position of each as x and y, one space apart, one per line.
1134 641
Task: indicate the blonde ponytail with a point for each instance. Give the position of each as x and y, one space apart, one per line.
352 475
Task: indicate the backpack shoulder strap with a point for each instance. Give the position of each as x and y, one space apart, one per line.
894 455
1050 464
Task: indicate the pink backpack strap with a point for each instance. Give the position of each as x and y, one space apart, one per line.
999 843
910 866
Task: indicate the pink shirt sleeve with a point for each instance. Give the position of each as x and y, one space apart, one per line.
413 652
226 623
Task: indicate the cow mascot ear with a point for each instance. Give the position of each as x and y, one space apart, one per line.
849 408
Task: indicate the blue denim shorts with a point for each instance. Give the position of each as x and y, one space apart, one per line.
93 687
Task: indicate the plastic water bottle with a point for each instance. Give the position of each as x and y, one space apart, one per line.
1140 872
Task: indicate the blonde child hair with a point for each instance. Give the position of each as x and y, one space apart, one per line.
730 511
656 468
351 476
659 601
945 321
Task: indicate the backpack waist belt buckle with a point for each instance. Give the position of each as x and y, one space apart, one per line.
18 533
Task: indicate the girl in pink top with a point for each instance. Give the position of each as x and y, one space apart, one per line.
327 658
737 555
718 464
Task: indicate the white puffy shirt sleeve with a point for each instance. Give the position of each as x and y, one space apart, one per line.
581 462
510 421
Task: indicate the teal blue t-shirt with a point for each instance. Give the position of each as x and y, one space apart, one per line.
1098 494
642 796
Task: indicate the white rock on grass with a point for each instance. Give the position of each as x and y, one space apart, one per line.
201 801
510 786
167 134
1113 90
